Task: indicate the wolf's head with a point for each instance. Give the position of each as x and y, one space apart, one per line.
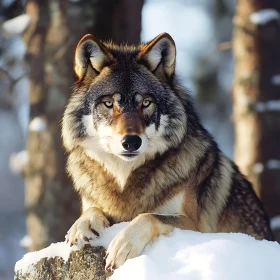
124 105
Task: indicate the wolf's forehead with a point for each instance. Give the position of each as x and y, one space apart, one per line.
126 82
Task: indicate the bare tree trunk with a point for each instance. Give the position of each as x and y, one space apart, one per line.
255 97
57 25
51 203
127 21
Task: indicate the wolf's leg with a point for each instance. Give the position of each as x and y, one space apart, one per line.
142 230
89 226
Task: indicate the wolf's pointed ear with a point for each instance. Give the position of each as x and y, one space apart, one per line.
90 57
159 56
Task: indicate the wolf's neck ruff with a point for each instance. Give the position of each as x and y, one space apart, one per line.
115 166
138 152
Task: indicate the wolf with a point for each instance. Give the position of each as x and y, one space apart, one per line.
139 153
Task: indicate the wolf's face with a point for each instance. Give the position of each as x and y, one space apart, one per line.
123 105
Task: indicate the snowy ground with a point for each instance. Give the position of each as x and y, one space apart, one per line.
187 255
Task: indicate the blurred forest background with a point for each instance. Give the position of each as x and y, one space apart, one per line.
239 102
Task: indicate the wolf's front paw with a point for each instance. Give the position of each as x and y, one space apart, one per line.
128 244
89 226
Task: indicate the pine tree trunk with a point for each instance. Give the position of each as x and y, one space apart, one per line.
51 203
57 25
255 98
127 21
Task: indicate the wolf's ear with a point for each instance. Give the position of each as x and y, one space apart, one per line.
159 56
90 57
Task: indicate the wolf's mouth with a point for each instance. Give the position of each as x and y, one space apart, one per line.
129 154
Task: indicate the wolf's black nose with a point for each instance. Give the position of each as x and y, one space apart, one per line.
131 143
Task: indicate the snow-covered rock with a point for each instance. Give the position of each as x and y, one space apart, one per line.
85 264
182 255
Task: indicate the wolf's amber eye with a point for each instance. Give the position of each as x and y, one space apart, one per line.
146 103
108 104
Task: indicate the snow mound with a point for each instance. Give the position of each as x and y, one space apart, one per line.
191 255
187 255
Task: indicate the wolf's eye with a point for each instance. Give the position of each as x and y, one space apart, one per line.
146 103
108 104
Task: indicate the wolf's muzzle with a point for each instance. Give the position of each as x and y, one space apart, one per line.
131 143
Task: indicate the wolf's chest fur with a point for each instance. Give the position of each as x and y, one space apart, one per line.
142 193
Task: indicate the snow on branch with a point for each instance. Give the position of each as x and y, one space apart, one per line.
17 25
264 16
275 223
258 168
37 124
271 105
18 161
276 80
272 164
25 242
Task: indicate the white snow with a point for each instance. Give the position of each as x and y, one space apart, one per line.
270 164
276 80
25 242
187 255
16 25
37 124
273 164
275 223
60 249
264 16
258 168
17 161
271 105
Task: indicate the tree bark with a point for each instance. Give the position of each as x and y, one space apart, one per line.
255 93
56 27
127 21
51 203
